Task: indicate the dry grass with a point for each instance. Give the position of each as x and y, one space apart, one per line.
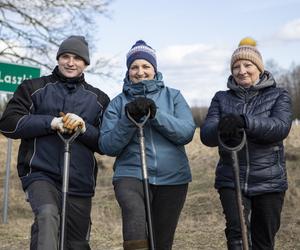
201 224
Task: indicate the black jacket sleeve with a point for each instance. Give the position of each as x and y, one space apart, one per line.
209 129
91 136
18 121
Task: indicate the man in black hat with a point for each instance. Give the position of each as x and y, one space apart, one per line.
33 115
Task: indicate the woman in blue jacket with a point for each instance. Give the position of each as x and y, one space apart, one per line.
255 104
169 128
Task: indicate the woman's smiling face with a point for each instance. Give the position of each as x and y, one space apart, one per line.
141 70
245 73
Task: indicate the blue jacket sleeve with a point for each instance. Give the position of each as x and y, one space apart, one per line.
116 130
179 127
275 127
209 129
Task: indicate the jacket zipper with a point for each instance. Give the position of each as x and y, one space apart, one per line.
246 149
154 153
277 150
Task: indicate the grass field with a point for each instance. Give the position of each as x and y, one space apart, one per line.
201 225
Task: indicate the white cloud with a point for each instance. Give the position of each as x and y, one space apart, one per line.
178 53
290 31
198 70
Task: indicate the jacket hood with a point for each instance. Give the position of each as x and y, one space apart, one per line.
144 87
266 80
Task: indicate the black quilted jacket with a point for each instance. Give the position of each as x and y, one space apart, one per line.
28 116
267 112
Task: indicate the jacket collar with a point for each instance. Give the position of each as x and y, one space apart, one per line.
144 87
60 77
266 80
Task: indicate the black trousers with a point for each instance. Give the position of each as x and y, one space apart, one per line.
262 216
166 203
45 201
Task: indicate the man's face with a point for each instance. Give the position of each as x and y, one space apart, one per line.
71 65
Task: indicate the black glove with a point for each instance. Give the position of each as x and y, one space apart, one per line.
145 105
140 107
230 129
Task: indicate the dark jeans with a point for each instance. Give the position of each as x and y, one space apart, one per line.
262 215
45 201
166 203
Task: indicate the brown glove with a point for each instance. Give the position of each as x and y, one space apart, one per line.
72 122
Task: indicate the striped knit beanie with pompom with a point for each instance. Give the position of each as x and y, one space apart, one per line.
247 51
141 50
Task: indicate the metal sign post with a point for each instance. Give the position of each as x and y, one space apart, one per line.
6 185
11 76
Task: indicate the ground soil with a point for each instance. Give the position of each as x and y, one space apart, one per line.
201 225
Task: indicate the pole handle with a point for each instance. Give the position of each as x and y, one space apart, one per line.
139 124
235 148
70 139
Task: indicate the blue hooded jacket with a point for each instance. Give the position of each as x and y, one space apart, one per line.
165 134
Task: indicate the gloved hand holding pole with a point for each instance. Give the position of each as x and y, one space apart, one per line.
236 171
57 124
140 108
72 122
145 175
65 184
69 124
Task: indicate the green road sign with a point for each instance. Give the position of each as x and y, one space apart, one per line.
12 75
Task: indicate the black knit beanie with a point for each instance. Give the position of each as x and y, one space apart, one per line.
76 45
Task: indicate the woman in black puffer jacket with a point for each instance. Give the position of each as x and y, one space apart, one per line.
255 104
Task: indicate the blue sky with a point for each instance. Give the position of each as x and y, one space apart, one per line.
194 39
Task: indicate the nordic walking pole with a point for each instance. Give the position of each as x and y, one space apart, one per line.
65 185
236 171
145 177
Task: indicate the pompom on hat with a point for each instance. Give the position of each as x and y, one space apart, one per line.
141 50
247 51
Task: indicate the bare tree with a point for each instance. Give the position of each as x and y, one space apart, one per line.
294 85
31 30
291 81
272 66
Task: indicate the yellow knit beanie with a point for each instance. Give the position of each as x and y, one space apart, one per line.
247 51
